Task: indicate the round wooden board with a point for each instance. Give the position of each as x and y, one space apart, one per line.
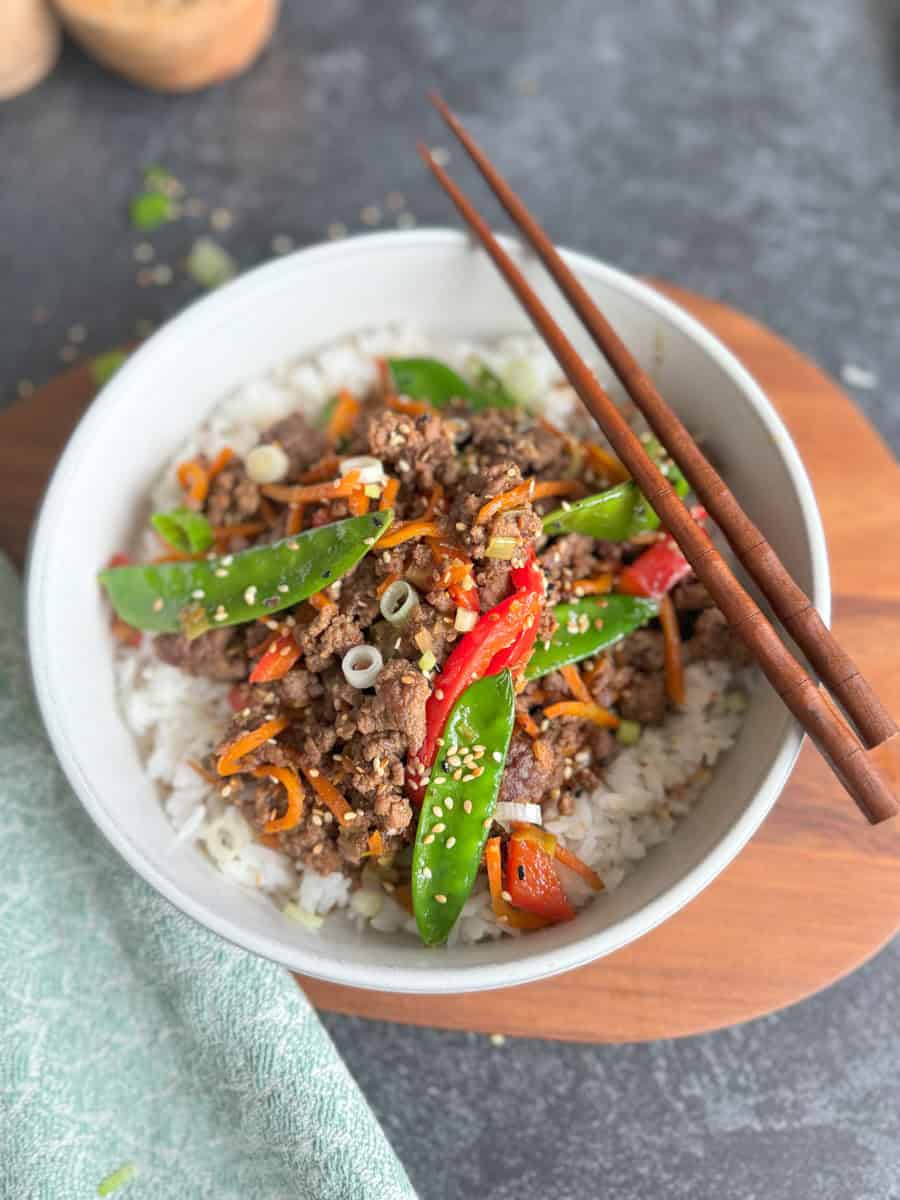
816 892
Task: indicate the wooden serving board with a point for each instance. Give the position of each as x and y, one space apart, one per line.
815 893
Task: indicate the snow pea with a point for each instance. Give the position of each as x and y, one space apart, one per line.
184 529
459 803
619 513
192 597
587 627
431 380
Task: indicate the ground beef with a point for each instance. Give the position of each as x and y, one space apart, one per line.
479 486
303 444
420 451
326 634
500 435
691 596
492 581
219 654
298 688
401 692
640 659
714 638
233 497
644 650
643 698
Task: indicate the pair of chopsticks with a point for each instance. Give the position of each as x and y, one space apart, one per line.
865 760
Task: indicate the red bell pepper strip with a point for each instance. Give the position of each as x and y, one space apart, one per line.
532 882
655 572
530 581
277 660
508 625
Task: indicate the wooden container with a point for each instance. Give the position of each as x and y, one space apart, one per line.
172 45
29 44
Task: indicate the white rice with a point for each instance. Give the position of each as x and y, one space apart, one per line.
177 717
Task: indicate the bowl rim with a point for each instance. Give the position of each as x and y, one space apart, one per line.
340 969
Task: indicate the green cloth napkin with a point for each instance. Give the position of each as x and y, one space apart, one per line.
131 1037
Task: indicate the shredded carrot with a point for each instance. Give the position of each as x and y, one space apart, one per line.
386 583
598 586
270 516
229 760
574 863
412 408
384 376
358 503
288 779
389 495
345 485
173 555
269 840
407 530
203 773
542 753
402 893
222 459
585 712
322 470
576 684
329 795
674 666
320 601
194 478
434 501
265 644
343 418
568 438
527 723
294 521
527 490
604 463
376 844
503 910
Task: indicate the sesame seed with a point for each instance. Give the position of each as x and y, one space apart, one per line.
450 843
467 806
221 572
317 849
467 778
221 614
292 546
437 810
439 693
453 759
487 823
250 595
440 897
441 779
497 756
226 790
158 604
283 587
426 872
448 802
506 896
314 772
457 774
349 818
478 750
316 819
428 839
440 827
369 541
227 560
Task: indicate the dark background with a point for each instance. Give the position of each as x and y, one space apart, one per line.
748 151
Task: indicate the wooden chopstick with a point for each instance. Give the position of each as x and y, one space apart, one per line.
861 776
789 602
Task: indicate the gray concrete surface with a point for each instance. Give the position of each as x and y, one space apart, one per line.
748 151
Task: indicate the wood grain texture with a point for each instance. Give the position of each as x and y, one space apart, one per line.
813 895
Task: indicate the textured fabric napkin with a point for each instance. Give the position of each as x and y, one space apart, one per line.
141 1056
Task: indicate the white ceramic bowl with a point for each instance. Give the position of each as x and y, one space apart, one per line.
288 308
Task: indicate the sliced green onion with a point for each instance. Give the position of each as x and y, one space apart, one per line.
267 463
501 547
427 662
398 602
372 490
736 701
150 211
628 732
184 529
362 665
210 264
116 1179
371 470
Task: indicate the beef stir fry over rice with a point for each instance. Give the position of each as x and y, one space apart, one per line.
468 678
